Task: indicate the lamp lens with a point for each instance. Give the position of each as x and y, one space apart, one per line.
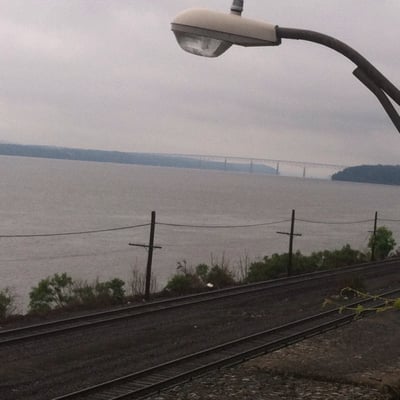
201 45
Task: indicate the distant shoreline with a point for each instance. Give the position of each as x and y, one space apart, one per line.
377 174
117 157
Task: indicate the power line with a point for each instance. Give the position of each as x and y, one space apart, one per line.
389 220
335 222
75 233
192 226
66 256
221 226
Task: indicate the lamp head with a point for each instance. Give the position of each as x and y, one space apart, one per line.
201 45
210 33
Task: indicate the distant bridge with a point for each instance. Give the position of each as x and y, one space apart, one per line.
273 163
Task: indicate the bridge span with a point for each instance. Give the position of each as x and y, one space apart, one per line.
278 166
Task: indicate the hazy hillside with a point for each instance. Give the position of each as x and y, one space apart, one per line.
126 158
385 174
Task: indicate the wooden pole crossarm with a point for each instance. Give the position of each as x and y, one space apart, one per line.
146 246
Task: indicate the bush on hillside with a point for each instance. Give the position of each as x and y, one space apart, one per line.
382 243
188 280
184 283
60 291
220 277
7 303
51 292
276 266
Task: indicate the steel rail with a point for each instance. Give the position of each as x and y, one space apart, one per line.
25 333
151 380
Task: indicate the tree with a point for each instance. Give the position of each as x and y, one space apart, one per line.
382 243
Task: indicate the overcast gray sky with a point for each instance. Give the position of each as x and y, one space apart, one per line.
108 74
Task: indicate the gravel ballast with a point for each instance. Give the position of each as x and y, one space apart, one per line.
358 361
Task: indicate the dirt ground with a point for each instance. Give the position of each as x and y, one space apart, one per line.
360 361
365 352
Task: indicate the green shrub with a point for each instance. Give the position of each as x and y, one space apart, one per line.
220 277
7 303
60 291
269 268
51 293
99 293
202 271
184 283
258 271
189 280
329 259
276 266
382 243
84 293
115 290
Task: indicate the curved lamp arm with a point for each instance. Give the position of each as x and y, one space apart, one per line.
347 51
210 33
374 80
381 96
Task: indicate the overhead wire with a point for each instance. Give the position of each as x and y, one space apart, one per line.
196 226
388 220
75 233
222 226
334 222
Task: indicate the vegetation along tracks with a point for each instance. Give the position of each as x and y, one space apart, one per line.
49 328
154 379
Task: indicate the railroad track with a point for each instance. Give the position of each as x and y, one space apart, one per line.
146 382
50 328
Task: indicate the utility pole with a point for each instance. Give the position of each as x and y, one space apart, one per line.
374 237
291 234
150 248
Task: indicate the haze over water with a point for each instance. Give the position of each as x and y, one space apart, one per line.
55 196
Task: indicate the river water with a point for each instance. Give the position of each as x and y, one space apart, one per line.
57 196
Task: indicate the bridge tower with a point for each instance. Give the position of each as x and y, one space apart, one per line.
277 168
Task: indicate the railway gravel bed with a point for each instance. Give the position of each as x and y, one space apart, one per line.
357 361
44 369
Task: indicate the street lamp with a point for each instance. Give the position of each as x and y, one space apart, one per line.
209 34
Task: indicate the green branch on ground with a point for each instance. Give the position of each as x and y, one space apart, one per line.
345 293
